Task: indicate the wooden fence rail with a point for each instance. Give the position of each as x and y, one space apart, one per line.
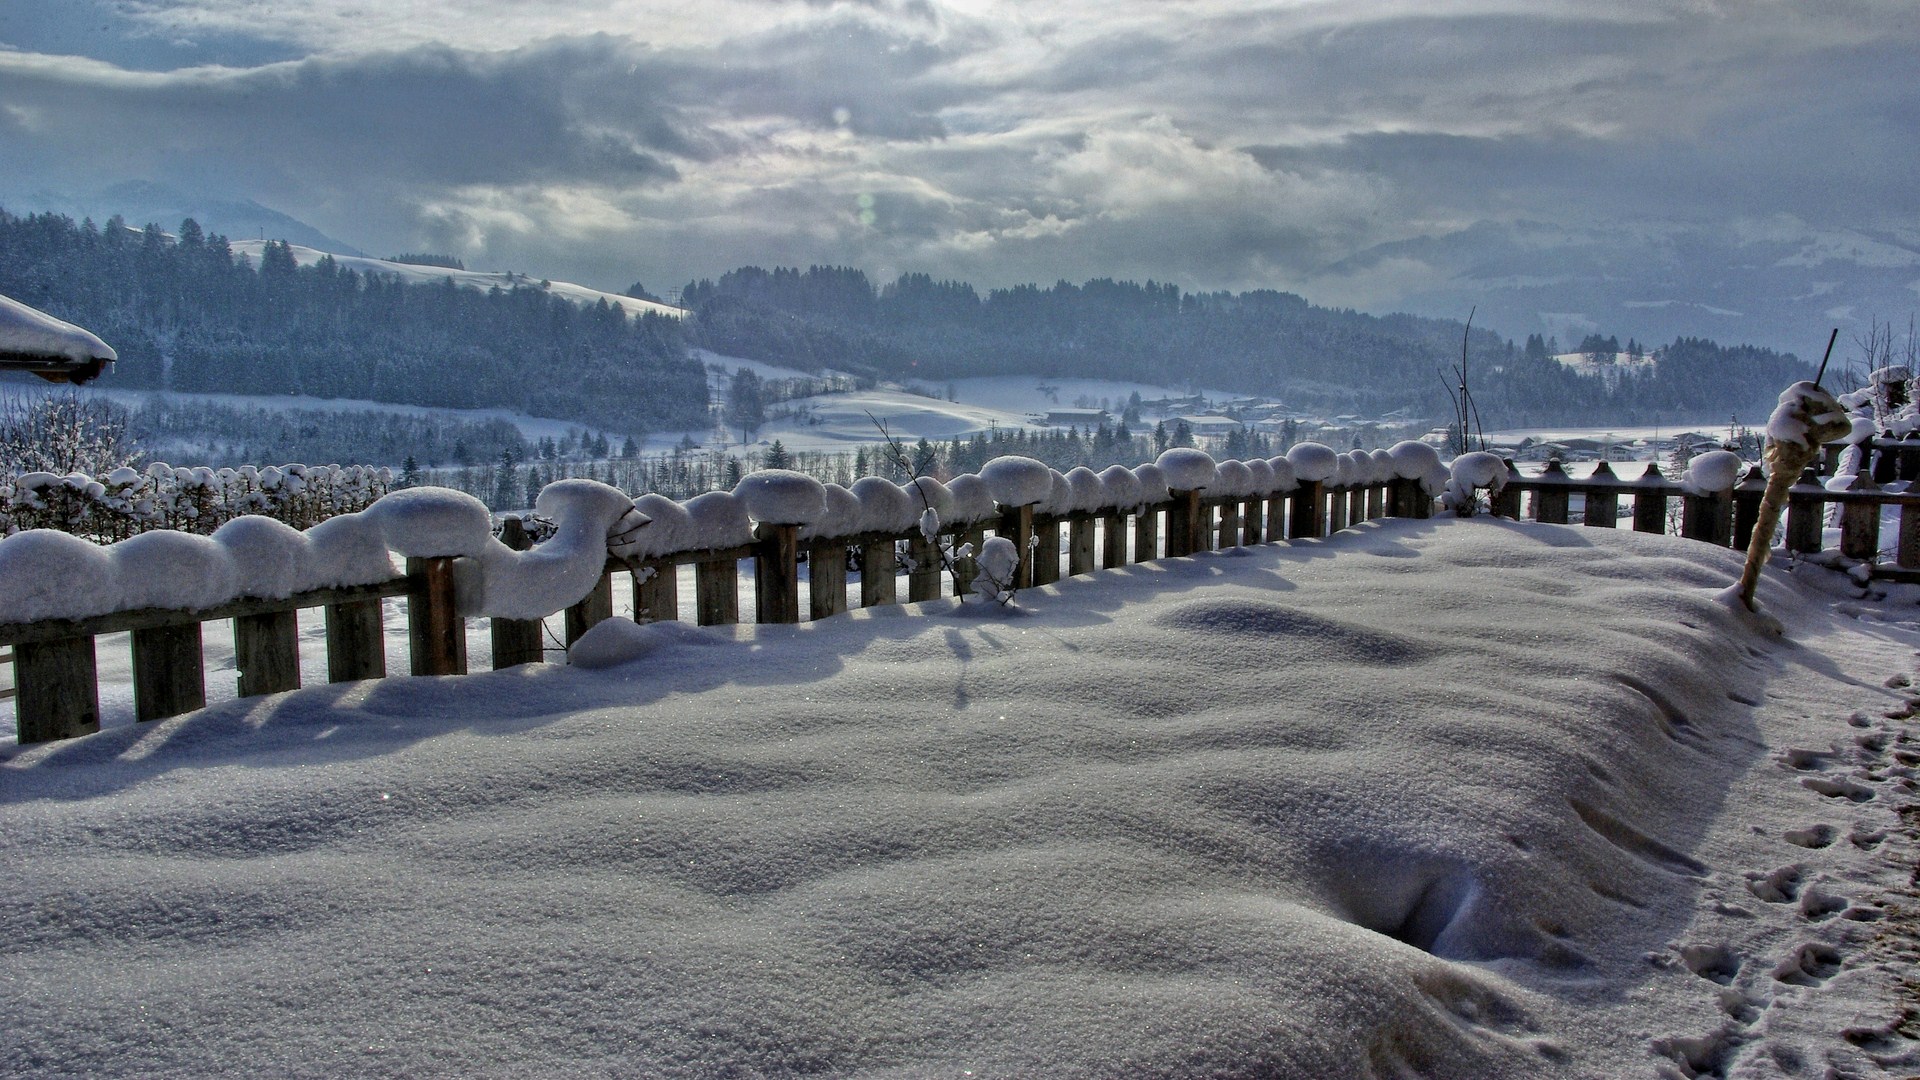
56 689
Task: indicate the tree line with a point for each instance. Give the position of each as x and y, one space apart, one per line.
1261 342
185 313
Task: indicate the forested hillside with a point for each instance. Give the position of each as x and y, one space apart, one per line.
185 314
1262 342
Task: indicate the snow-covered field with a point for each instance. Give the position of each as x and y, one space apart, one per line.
1438 798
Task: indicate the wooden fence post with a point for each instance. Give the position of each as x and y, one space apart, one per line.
515 641
1306 511
1046 552
1707 517
923 569
1146 533
656 594
169 672
590 610
1113 537
1650 501
826 578
1080 545
1253 515
1907 556
1357 505
266 649
1337 504
877 569
1016 524
1276 518
357 641
716 591
776 573
1746 506
1860 522
1506 504
967 567
436 634
1184 524
1602 498
57 689
1227 533
1806 514
1550 503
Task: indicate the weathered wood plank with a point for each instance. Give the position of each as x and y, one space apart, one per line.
1080 546
1227 529
590 610
1146 534
776 574
1860 523
57 688
1650 501
826 578
924 569
656 592
877 570
1307 511
1186 525
124 621
1113 541
436 634
967 567
357 640
515 641
169 671
1016 524
266 650
716 592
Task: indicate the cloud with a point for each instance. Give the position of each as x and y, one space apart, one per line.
1220 143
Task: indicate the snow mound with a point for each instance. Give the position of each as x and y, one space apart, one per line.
717 520
1313 462
558 572
884 507
1187 469
972 500
613 642
1122 487
842 516
1471 471
1284 480
1232 480
1153 483
782 497
1260 478
1017 481
432 522
1711 473
1089 492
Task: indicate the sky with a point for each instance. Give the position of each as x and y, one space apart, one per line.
1295 145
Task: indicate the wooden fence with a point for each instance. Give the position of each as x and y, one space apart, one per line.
55 671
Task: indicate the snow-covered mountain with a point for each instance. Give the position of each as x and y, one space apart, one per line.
1778 283
141 201
472 279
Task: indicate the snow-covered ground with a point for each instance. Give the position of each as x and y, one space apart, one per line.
1439 798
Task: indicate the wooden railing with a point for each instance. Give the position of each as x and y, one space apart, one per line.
56 687
1726 518
55 661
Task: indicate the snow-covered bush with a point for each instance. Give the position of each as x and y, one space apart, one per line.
999 563
1471 472
127 502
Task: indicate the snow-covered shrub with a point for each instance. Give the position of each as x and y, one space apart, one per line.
1471 472
999 564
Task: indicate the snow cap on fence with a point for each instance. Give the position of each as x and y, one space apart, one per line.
884 507
1017 481
1122 487
164 569
1478 469
47 574
502 583
271 559
432 522
717 519
841 519
1059 498
972 499
1259 476
346 550
782 497
1712 472
1313 462
1187 469
1383 470
1413 459
1153 483
1283 478
669 529
929 494
1089 491
1232 480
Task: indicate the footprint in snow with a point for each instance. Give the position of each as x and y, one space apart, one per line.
1813 836
1838 787
1812 964
1804 760
1782 886
1713 962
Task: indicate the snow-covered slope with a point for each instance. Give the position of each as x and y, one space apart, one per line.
472 279
1436 798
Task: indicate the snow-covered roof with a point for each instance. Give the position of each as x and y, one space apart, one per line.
29 334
